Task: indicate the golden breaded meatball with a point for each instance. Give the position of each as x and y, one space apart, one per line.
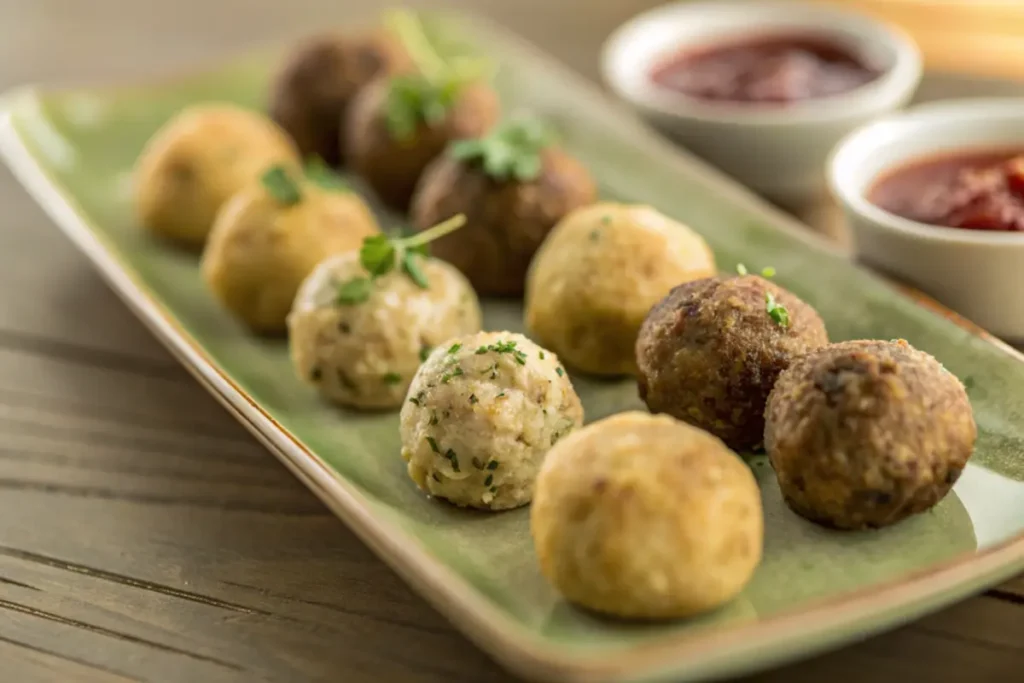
261 248
480 416
312 92
389 152
508 217
710 352
363 352
597 275
863 434
197 161
643 516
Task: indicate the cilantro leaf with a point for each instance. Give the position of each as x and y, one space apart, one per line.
281 186
355 291
377 255
776 311
413 270
511 150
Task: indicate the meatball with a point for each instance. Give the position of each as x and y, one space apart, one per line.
199 160
865 433
261 249
481 414
312 92
508 218
391 160
642 516
597 275
363 352
710 352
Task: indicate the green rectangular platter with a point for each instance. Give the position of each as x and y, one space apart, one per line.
74 150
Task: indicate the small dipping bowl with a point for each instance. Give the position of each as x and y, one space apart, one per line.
977 273
778 150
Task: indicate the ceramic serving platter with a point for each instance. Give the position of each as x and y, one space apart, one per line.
74 150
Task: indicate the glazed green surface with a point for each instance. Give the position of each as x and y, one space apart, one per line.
88 141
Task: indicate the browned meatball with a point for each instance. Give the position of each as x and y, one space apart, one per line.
392 164
507 219
710 352
865 433
313 90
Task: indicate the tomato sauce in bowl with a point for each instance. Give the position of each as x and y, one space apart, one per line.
974 190
767 70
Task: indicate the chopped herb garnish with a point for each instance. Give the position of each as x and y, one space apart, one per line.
560 371
322 175
767 271
424 353
776 310
415 400
433 418
454 347
492 465
541 355
433 444
481 351
448 376
489 480
281 186
344 327
477 463
606 219
473 400
494 489
391 378
501 395
510 150
450 454
355 291
741 269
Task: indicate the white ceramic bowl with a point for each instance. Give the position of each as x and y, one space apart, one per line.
977 273
779 152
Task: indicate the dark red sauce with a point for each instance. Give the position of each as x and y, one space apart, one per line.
774 69
977 190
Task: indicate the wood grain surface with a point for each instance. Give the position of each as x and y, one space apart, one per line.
145 536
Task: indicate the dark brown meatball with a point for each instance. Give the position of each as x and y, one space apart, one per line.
507 219
865 433
312 92
393 166
709 353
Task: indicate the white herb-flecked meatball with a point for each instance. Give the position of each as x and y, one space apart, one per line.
480 417
643 516
364 353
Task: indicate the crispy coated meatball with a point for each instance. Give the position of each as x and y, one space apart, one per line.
597 275
363 353
507 219
865 433
710 352
481 414
260 249
644 516
197 161
312 91
392 164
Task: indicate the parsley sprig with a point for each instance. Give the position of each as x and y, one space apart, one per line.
381 254
428 96
280 185
511 150
776 311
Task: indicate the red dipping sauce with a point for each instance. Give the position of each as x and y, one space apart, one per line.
774 69
976 190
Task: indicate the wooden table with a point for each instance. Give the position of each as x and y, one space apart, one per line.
145 536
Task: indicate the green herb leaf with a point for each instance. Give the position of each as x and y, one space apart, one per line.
412 268
560 372
776 310
741 269
281 186
767 271
377 255
492 465
355 291
511 150
433 445
454 348
322 175
391 378
425 353
488 480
